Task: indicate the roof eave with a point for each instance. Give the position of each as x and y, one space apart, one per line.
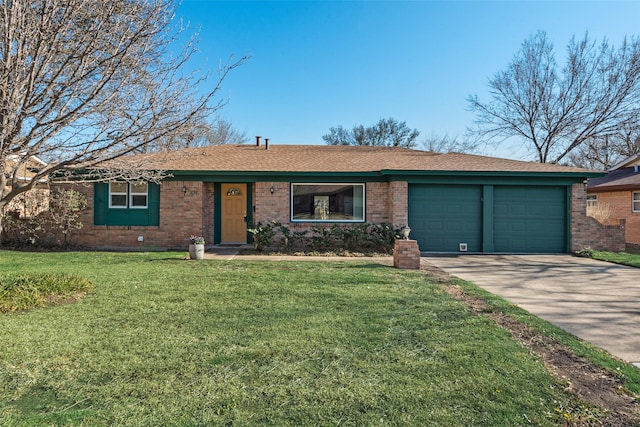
563 174
609 188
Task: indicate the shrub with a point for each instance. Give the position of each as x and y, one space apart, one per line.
48 228
603 212
263 234
585 252
25 291
364 237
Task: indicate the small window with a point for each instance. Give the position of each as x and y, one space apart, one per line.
138 195
592 200
327 202
636 201
118 195
124 195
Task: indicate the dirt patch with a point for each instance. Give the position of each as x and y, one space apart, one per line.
580 377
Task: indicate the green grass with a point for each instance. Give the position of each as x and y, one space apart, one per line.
628 374
26 291
166 341
623 258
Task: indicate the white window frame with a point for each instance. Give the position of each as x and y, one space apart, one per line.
132 194
635 201
592 200
118 193
316 220
128 195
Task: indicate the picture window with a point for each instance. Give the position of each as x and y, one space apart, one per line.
325 202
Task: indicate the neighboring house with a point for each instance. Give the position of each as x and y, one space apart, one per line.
451 201
618 194
32 202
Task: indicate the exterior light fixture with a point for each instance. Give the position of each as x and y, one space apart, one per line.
272 189
184 189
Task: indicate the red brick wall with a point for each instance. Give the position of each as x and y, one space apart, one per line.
587 232
620 203
399 191
377 202
271 207
181 215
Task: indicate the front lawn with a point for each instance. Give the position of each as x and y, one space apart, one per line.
166 341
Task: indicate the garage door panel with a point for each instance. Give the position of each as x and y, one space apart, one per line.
443 216
529 219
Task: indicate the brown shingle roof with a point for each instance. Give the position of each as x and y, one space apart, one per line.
619 179
326 158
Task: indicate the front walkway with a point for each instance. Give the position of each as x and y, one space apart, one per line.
233 252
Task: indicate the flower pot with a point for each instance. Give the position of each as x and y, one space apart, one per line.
196 251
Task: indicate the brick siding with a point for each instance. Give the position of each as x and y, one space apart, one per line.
588 232
181 215
621 204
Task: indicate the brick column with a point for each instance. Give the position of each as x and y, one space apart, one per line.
406 255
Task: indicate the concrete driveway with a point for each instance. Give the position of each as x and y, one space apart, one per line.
594 300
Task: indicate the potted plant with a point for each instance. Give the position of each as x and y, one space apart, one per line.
196 247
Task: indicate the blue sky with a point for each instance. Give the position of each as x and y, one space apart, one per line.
315 65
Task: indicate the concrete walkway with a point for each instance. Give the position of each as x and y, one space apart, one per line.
594 300
233 252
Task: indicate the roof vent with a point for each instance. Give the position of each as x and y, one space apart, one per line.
266 143
258 141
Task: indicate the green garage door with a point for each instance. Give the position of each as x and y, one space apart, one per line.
530 219
443 216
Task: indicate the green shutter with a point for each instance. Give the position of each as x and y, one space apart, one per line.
154 204
100 196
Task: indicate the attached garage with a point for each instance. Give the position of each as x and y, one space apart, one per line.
489 218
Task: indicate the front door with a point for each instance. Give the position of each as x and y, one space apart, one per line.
234 212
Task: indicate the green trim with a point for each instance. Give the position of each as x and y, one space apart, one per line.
572 175
243 177
534 180
249 209
568 193
217 214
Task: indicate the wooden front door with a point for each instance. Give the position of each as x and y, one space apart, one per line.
234 212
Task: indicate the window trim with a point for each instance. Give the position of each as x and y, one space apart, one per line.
132 193
118 193
635 201
329 221
592 200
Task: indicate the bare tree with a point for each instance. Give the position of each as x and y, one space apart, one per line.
606 151
443 143
557 111
387 132
83 82
200 133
